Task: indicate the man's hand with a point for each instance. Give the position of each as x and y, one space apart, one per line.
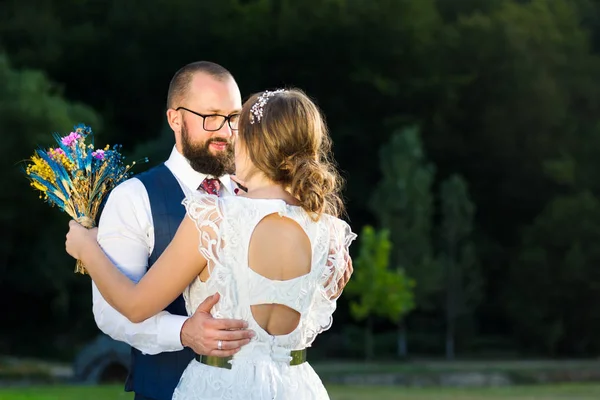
346 277
201 332
342 280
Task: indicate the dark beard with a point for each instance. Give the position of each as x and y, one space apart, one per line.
203 161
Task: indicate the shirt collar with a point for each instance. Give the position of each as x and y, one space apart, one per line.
190 178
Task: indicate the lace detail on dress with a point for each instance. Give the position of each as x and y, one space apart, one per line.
261 369
335 254
204 210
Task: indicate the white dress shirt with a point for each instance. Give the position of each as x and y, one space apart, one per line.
126 234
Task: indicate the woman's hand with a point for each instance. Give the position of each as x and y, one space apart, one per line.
79 239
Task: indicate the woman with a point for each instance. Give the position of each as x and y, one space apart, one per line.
274 254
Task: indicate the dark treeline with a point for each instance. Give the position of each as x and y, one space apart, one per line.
504 93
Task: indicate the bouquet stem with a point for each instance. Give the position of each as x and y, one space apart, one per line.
89 223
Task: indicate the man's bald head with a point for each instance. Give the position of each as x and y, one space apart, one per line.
182 80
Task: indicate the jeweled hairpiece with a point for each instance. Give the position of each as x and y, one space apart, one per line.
256 112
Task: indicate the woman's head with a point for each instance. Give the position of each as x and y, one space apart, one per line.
282 135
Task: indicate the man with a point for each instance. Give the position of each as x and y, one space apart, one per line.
142 215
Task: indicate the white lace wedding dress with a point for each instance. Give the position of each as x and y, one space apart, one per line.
261 370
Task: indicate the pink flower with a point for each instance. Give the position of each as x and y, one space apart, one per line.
70 139
98 154
56 153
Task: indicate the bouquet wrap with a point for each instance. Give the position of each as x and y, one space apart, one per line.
89 223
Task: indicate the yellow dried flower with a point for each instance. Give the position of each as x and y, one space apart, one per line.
41 168
59 156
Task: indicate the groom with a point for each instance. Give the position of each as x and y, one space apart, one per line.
141 217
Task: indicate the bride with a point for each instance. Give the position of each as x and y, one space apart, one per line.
274 255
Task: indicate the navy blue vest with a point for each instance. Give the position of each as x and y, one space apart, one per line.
156 376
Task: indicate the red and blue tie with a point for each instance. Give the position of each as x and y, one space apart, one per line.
210 186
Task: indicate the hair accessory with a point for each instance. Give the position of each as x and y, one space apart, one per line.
256 112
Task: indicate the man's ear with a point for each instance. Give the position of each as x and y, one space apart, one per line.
174 120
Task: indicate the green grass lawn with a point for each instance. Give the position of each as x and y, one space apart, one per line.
546 392
436 366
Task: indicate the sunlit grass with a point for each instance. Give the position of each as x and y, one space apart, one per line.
542 392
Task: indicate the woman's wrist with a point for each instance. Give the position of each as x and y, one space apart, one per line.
89 252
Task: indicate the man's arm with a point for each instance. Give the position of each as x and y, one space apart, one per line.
125 233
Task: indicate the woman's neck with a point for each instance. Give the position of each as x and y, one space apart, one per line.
259 186
259 182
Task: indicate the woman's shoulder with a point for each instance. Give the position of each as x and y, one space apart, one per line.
339 230
243 207
232 204
250 203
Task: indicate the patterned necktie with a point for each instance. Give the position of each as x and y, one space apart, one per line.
210 186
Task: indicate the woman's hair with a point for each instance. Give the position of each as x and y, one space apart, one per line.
286 138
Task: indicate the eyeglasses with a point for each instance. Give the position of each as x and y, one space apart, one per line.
214 122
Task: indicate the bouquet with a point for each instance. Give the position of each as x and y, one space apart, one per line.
76 177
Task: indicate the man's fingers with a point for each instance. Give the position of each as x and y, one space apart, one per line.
208 303
239 334
350 268
232 344
225 324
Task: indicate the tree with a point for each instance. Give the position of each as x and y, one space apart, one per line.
516 89
381 291
554 281
498 87
403 204
34 267
457 255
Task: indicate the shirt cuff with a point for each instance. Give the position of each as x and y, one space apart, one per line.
169 331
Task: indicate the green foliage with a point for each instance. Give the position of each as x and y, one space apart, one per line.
35 269
556 279
457 247
377 289
403 203
458 211
381 291
457 255
504 91
518 88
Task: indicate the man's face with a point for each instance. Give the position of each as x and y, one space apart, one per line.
214 156
209 152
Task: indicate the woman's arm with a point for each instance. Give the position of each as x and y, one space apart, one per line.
180 264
